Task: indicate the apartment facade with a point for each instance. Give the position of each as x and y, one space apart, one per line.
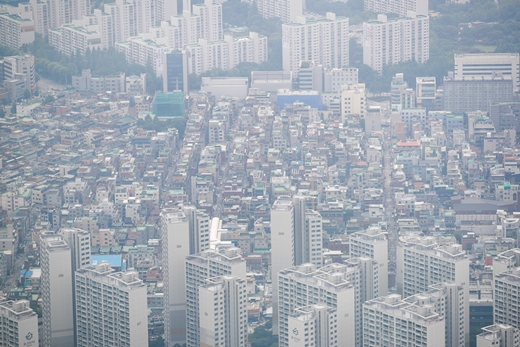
393 41
18 324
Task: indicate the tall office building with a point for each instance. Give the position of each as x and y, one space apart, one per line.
372 243
111 308
296 238
400 7
507 298
478 66
223 312
313 326
180 239
175 74
323 41
199 268
390 321
499 335
393 41
426 91
56 291
447 299
18 324
306 285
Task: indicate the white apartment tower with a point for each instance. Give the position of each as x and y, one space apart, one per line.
18 324
79 243
211 20
287 10
199 268
182 235
392 41
223 312
447 299
65 11
479 66
499 335
56 291
372 243
306 285
400 7
124 19
390 321
111 307
507 298
313 326
506 261
323 41
296 238
422 262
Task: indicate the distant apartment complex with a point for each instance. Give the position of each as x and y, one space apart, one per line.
322 41
287 10
392 41
400 7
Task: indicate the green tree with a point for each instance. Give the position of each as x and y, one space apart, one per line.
158 342
26 94
13 108
2 112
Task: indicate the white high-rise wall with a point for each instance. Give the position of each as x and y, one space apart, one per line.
306 285
65 11
56 292
507 298
199 268
393 41
388 321
79 243
421 262
448 301
400 7
18 324
223 312
499 335
323 41
353 101
282 245
372 243
287 10
313 326
111 307
17 26
175 231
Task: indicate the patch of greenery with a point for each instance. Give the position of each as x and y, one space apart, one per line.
178 123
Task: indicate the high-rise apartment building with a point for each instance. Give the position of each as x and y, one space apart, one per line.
507 298
211 20
56 291
287 10
79 243
124 19
313 326
426 92
372 243
422 262
305 285
390 321
499 335
199 268
16 26
296 238
392 41
400 7
111 308
18 324
478 66
223 312
182 234
323 41
448 300
65 11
